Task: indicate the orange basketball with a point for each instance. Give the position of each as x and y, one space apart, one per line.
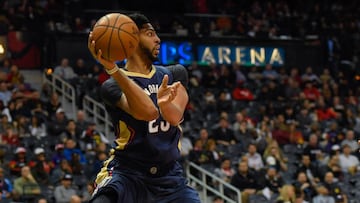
116 35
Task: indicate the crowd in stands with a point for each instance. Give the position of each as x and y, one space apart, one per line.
268 130
284 134
44 154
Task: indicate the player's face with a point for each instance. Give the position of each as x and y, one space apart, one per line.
149 42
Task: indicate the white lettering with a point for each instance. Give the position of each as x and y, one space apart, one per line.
256 56
275 56
153 128
224 55
208 56
239 54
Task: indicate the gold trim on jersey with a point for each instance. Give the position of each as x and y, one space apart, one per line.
103 174
124 136
181 134
134 74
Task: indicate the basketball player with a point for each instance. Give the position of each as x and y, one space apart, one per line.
146 104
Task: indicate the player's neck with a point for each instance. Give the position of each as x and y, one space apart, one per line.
138 66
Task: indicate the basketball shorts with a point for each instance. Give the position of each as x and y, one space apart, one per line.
135 186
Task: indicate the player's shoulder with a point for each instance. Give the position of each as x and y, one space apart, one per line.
109 82
175 69
178 72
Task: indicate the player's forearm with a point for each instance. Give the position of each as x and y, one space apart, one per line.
140 104
173 111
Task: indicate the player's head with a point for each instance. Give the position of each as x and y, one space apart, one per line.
149 41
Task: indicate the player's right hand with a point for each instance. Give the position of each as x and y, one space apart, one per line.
97 54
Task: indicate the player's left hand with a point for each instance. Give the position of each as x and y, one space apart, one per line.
166 92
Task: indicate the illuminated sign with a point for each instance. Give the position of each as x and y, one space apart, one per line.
185 53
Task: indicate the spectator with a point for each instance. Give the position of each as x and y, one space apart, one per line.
224 135
226 77
37 128
64 70
70 131
87 192
334 188
311 92
333 166
53 105
18 162
5 94
324 113
274 156
58 155
245 180
225 171
224 103
15 77
42 167
6 186
186 147
313 148
64 192
25 187
90 137
287 194
323 195
272 180
240 77
311 169
241 93
302 184
255 161
98 163
309 76
81 122
10 137
59 171
350 140
348 162
57 125
71 149
269 74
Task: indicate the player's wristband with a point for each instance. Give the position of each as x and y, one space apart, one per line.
113 70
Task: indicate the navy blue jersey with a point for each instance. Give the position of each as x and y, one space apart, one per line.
143 143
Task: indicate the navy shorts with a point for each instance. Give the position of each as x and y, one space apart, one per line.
134 186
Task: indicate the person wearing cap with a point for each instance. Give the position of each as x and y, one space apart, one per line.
57 124
42 168
58 155
64 192
18 161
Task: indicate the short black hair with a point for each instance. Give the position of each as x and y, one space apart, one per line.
139 19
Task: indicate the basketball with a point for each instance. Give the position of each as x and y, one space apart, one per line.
116 35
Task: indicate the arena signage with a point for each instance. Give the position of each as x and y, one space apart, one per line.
186 52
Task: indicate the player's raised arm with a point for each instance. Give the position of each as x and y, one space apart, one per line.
133 100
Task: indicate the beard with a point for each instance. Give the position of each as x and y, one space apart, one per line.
148 52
